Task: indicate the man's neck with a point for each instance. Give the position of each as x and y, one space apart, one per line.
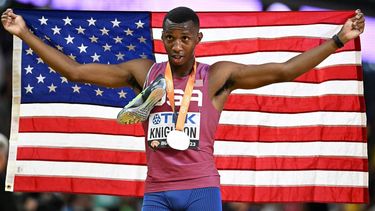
183 70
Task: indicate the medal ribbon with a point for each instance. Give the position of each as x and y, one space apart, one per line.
185 99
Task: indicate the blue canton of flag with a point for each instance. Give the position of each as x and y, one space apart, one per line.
87 37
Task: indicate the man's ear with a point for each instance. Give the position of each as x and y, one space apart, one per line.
200 37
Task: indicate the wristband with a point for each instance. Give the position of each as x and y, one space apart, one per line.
337 41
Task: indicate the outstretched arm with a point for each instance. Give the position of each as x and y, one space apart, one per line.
232 76
124 74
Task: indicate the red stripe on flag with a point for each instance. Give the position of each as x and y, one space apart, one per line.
81 155
229 193
78 185
352 72
291 163
243 19
295 194
78 125
224 132
272 104
222 162
245 46
291 134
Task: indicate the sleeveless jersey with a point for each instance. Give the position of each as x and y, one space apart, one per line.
170 169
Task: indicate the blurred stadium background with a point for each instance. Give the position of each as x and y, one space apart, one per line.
70 202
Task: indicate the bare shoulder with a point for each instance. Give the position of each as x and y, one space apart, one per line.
220 82
224 67
220 76
220 73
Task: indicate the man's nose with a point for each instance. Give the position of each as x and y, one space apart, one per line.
177 45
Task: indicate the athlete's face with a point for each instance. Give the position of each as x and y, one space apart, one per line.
179 41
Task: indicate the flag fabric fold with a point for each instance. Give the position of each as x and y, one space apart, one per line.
300 141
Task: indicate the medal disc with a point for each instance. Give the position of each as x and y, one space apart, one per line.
178 140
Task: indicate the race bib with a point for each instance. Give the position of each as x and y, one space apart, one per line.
161 123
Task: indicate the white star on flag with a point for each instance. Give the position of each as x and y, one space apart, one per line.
56 30
72 56
142 39
51 70
40 60
59 47
47 38
143 56
40 78
76 88
52 88
95 57
29 69
29 51
118 39
80 30
131 47
82 48
99 92
93 39
43 21
116 23
107 47
129 32
67 21
122 94
120 56
69 39
63 79
139 24
29 89
104 31
91 21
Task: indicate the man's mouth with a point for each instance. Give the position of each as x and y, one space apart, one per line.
177 58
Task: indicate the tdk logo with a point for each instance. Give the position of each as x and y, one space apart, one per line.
178 95
165 118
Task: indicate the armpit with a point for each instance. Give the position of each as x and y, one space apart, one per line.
226 87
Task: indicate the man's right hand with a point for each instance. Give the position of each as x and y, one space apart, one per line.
13 23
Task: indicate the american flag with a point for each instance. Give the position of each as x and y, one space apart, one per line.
289 142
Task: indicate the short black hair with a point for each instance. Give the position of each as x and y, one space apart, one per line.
181 15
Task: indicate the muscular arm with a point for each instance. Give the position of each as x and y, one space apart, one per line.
228 76
254 76
131 73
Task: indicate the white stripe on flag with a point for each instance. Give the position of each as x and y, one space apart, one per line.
81 169
231 33
341 58
227 117
294 178
68 110
296 89
228 177
295 149
78 140
292 120
226 148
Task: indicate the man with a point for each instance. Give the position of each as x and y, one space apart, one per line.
181 179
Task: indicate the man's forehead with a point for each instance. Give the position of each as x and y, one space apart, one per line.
185 26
